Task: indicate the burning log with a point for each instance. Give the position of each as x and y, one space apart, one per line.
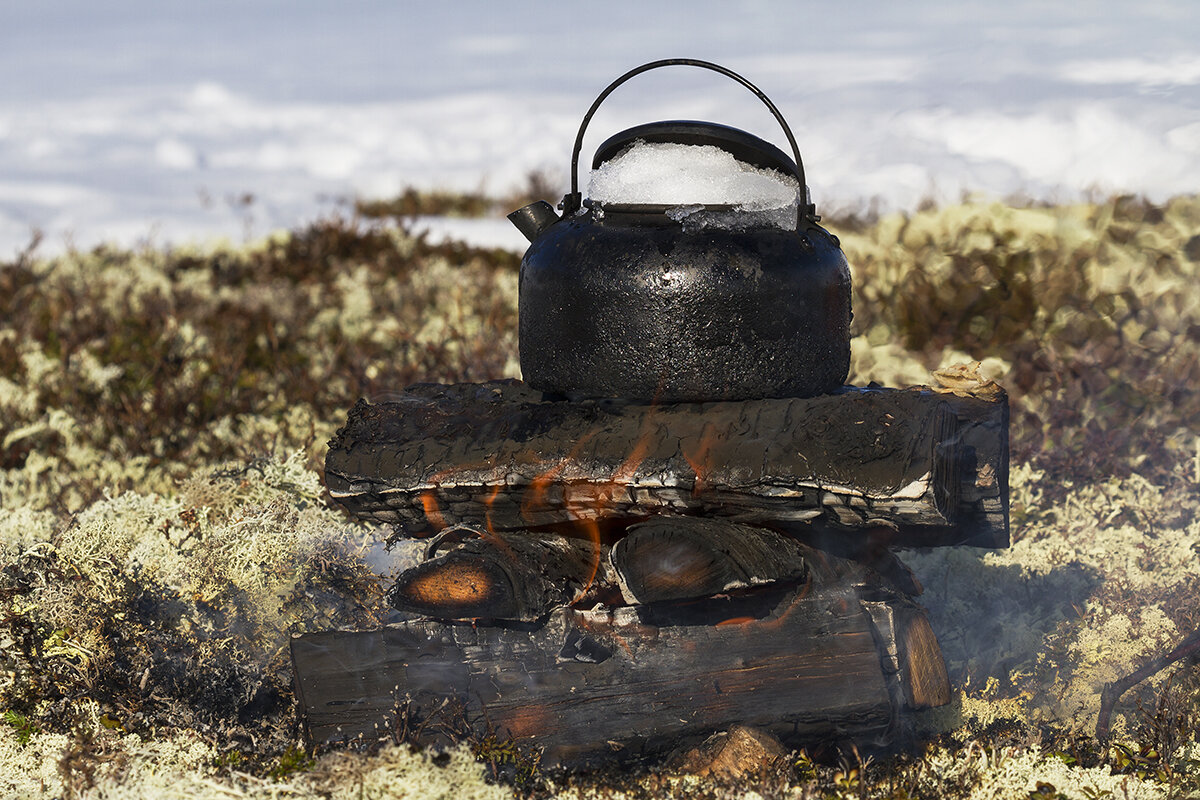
680 558
472 574
501 456
469 573
834 657
725 521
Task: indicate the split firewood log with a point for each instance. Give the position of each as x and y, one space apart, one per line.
502 456
678 558
470 573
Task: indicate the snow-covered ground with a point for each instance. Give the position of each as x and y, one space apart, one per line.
169 121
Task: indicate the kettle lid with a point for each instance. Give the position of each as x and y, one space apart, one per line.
745 147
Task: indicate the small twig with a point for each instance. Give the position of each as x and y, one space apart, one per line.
237 472
1113 691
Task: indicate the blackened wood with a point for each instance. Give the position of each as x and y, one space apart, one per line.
807 662
912 658
677 558
872 549
982 451
477 574
933 465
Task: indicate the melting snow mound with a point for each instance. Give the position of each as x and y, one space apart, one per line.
686 178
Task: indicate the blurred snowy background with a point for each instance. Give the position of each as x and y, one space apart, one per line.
163 121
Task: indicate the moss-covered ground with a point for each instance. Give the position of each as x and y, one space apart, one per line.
163 527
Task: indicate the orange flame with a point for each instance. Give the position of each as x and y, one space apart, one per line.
602 498
585 503
432 512
641 449
787 612
535 496
437 520
593 530
489 532
488 503
535 500
700 459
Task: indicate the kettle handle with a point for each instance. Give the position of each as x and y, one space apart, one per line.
573 201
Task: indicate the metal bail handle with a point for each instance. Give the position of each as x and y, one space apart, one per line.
573 201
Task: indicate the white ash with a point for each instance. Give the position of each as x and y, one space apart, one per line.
690 178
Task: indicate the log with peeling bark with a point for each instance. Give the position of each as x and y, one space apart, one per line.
833 658
933 465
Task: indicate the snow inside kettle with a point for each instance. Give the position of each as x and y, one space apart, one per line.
687 178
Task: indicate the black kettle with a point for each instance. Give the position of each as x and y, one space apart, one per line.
629 301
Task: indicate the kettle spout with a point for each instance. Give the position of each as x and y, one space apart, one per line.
534 218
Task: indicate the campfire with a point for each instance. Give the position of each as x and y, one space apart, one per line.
682 520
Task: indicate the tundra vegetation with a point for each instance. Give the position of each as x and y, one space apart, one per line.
163 527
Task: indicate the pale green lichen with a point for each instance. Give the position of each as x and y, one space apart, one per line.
980 773
185 767
396 772
30 769
24 527
1104 649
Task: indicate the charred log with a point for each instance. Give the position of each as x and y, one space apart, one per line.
472 574
933 465
811 661
679 558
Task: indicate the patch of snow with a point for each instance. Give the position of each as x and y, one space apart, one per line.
664 173
1185 138
1089 147
485 233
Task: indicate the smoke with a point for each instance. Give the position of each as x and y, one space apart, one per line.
1097 582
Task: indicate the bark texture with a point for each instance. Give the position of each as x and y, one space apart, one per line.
816 660
931 465
470 573
679 558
